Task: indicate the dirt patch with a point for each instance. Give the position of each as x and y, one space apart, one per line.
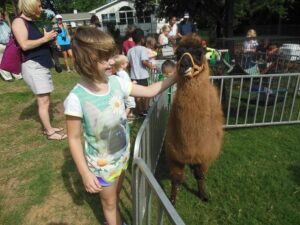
58 209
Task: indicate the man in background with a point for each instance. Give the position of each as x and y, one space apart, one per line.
186 26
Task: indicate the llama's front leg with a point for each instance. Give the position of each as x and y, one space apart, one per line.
198 171
177 173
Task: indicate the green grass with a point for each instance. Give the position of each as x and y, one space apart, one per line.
39 183
255 180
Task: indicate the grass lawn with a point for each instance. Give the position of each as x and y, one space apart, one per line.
255 181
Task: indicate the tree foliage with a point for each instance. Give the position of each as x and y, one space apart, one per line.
68 6
221 15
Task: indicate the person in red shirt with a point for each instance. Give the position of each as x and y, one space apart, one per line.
128 43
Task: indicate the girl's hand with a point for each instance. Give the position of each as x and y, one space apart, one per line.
91 183
49 36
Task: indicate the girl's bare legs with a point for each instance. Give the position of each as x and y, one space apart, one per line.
109 200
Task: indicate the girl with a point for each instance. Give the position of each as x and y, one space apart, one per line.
96 104
151 50
120 63
163 37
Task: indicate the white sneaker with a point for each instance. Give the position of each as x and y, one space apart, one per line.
6 75
17 76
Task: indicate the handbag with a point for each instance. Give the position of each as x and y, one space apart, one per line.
12 57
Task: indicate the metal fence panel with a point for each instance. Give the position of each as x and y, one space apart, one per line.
247 101
259 100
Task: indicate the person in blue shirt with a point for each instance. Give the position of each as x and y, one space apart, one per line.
186 26
63 41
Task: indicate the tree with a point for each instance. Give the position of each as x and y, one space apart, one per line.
221 16
67 6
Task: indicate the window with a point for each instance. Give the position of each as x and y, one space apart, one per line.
145 18
108 18
126 15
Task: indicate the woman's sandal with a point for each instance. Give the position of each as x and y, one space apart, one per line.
57 130
56 136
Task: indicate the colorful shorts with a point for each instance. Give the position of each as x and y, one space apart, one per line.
104 183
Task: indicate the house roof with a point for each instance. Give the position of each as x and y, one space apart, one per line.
108 5
76 17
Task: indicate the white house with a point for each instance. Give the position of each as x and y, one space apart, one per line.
122 13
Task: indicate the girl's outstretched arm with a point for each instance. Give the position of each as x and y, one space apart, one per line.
153 89
74 138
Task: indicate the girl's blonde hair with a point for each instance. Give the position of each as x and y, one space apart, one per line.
119 60
91 46
151 42
29 7
251 33
165 28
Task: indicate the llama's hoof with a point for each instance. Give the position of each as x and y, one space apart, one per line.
203 196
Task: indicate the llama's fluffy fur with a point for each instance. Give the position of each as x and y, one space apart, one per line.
194 131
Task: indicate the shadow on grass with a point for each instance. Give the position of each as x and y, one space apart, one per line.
31 111
73 183
126 199
57 224
295 170
163 173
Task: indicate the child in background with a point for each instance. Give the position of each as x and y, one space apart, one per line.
151 49
96 106
152 53
168 69
120 63
139 63
163 39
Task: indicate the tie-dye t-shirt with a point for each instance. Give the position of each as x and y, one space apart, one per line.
105 126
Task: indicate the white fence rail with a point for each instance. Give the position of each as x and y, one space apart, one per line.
146 209
259 100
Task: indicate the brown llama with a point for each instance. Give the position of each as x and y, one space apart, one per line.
195 126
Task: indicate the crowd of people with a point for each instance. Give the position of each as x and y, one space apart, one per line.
100 104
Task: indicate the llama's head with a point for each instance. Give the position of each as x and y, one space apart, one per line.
190 56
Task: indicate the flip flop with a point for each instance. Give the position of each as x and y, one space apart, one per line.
57 130
56 136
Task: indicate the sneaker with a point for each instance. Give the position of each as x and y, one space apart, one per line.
69 71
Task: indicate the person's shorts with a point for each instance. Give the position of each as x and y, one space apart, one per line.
103 182
64 48
37 77
143 82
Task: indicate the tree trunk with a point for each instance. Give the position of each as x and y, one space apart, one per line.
279 25
15 6
229 17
